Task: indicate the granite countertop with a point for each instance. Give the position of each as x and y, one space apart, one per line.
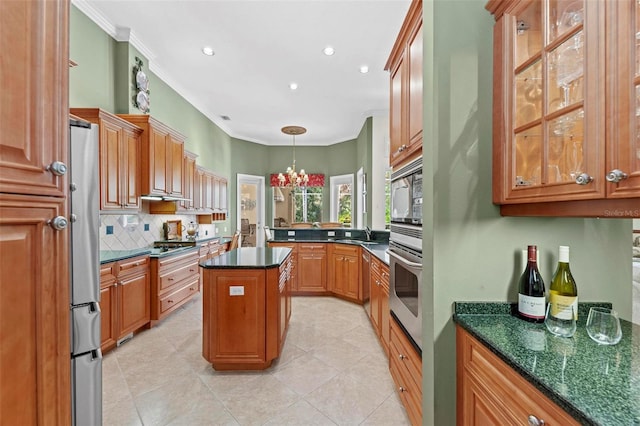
107 256
377 248
597 385
249 258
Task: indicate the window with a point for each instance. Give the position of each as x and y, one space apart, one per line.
296 205
342 199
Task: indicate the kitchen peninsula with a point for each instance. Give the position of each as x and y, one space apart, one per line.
246 304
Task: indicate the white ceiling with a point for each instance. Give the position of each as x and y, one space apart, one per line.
260 47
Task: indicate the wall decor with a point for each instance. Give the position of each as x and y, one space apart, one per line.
141 88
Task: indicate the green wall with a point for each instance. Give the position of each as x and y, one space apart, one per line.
104 79
471 252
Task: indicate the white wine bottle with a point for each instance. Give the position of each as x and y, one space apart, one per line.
531 295
563 292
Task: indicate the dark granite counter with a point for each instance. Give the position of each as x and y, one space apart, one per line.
377 248
597 385
107 256
249 258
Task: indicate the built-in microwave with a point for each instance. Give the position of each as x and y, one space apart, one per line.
406 193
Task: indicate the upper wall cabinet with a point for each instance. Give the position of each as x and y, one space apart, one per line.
189 184
119 159
566 114
162 158
405 67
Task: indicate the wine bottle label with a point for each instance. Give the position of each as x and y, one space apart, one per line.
531 306
563 307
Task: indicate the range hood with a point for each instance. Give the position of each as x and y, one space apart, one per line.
163 198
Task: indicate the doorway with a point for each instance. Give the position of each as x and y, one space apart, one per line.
251 210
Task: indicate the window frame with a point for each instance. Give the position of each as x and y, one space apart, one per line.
334 183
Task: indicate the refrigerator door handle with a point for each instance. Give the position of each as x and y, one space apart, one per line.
86 328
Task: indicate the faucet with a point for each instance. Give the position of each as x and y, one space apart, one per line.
367 231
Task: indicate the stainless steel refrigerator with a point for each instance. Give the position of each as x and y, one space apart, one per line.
86 357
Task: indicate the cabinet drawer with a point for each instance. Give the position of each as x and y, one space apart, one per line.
175 298
402 353
177 260
410 395
107 274
515 396
306 247
349 250
169 279
132 266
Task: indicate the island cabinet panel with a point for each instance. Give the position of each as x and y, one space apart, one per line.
245 317
345 271
175 280
119 143
293 259
405 365
489 392
125 296
312 268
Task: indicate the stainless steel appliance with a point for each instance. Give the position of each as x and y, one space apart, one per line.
366 273
405 249
86 357
406 194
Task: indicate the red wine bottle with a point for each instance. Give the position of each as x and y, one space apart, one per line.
531 297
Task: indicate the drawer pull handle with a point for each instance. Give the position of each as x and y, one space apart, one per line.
191 288
169 301
401 389
170 278
534 421
402 357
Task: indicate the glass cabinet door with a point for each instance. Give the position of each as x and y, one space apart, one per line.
623 156
555 112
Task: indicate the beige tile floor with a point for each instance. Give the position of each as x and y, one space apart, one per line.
332 371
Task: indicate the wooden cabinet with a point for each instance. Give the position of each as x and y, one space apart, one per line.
405 67
210 195
174 281
189 183
245 316
284 288
34 258
119 159
405 365
293 274
379 300
208 250
162 157
124 299
34 311
566 129
312 268
489 392
345 271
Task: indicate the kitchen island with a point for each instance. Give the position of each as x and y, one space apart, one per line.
246 304
513 371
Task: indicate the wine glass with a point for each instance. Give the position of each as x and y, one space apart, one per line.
560 319
603 326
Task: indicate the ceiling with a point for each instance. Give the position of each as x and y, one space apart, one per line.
262 46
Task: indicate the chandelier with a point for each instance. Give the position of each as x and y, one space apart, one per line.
295 179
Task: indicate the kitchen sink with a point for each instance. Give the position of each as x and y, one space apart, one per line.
366 243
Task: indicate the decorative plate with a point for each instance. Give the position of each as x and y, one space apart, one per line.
142 81
142 99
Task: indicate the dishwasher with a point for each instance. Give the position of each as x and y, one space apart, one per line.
366 271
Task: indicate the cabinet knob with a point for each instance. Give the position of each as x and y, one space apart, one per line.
58 168
583 179
534 421
616 176
58 223
401 389
402 357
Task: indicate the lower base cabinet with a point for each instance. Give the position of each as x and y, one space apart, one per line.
124 299
344 271
489 392
379 300
175 280
405 364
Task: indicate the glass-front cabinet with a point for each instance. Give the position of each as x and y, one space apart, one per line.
565 101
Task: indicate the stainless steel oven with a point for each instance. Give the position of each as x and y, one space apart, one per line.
406 194
405 289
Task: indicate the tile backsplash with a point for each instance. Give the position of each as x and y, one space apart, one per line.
126 232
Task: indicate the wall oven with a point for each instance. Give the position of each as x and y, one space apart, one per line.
405 250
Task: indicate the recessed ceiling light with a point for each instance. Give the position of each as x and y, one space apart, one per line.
208 51
364 69
329 51
293 86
